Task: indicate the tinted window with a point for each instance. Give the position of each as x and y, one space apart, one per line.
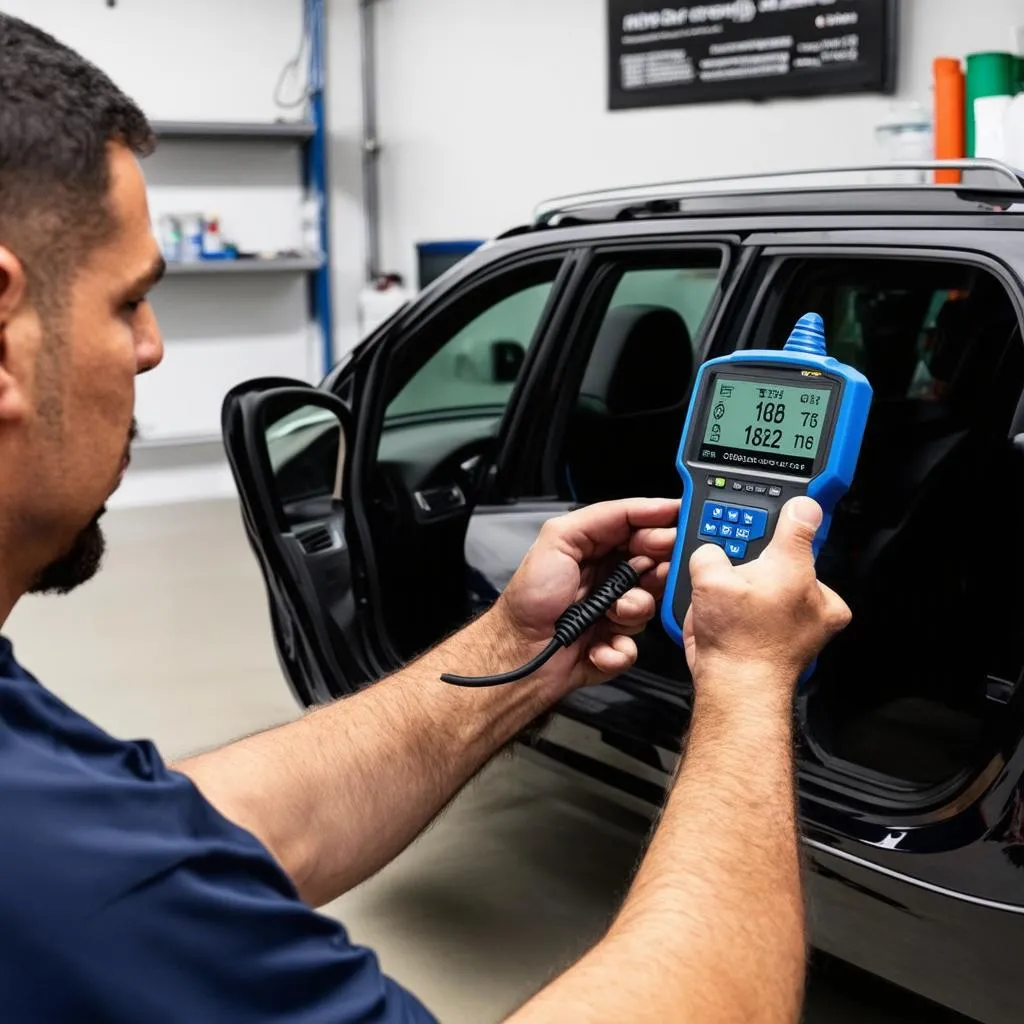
480 357
631 402
938 614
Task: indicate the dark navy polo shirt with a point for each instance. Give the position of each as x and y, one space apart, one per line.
125 897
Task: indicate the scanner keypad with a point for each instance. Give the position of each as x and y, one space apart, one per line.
732 526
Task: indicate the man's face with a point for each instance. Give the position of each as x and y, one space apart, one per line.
76 361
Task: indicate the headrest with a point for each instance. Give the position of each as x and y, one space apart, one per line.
642 361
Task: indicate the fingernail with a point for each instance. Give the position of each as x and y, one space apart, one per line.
805 510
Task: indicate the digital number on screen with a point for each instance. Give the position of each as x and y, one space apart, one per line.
765 425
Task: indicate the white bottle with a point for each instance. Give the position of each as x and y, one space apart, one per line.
213 245
1013 132
379 302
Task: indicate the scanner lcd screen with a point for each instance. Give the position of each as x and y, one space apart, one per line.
765 425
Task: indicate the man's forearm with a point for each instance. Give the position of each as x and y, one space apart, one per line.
712 929
339 793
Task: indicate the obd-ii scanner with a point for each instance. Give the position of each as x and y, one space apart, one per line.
763 426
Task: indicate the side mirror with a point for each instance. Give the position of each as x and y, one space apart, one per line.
507 358
305 442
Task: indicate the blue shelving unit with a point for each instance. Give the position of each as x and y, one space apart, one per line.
316 175
312 135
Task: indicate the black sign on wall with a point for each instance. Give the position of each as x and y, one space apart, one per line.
748 49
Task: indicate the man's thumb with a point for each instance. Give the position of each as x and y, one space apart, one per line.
795 530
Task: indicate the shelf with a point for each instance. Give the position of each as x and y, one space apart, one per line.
255 131
283 265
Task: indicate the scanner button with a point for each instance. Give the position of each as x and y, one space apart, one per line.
759 525
735 548
725 530
717 511
732 515
742 533
709 529
774 492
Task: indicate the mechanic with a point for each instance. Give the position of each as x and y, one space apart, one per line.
133 891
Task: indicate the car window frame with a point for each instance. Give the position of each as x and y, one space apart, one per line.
562 356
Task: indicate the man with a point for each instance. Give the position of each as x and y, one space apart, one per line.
133 892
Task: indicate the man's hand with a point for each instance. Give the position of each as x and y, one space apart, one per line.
763 621
572 555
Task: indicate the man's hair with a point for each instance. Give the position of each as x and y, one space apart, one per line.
58 113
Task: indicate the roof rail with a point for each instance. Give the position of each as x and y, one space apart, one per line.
548 212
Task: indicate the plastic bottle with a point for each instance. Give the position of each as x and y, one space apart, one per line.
905 135
380 301
191 237
950 139
991 85
170 238
213 246
1013 125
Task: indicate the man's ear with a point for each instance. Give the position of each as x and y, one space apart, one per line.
12 295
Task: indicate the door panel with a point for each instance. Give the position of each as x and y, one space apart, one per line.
287 445
498 538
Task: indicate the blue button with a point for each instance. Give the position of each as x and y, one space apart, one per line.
717 511
748 518
725 530
742 533
732 514
760 524
735 548
709 529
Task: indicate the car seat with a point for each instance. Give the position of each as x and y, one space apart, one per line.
624 432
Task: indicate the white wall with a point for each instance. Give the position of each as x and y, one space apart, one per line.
487 106
197 60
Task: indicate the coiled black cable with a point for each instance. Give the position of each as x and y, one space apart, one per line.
569 627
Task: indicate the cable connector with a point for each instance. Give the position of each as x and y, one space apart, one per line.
569 627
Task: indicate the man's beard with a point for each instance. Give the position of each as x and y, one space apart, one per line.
83 560
77 566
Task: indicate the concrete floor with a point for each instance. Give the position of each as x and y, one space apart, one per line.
172 642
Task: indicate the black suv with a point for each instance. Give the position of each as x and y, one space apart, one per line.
552 368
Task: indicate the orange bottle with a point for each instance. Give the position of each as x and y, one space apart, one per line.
949 115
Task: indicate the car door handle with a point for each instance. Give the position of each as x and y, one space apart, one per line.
438 501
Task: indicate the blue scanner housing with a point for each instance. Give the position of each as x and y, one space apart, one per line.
737 459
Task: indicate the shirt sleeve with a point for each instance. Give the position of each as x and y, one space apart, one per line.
219 935
214 939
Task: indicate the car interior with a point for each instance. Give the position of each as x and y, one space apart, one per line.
911 689
907 696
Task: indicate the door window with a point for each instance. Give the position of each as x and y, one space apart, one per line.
447 383
624 428
476 357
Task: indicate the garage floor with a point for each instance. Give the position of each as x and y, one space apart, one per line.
172 642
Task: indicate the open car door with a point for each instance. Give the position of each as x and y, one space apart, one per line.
288 445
